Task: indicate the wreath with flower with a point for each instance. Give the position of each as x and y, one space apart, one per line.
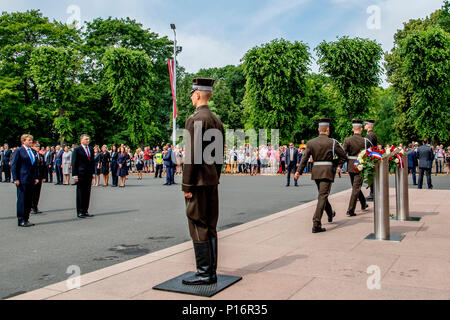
367 159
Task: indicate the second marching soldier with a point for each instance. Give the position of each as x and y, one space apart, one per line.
353 146
201 174
372 141
326 153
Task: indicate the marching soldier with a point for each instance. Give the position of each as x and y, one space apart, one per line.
200 182
353 146
372 141
326 154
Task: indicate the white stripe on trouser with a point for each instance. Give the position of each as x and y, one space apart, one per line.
352 158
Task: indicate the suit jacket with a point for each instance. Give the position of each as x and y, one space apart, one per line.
58 158
49 158
82 166
7 156
321 149
295 156
21 167
1 159
353 146
202 174
168 159
412 159
425 156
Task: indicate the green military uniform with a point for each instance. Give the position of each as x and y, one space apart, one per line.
371 141
201 178
202 181
353 147
321 150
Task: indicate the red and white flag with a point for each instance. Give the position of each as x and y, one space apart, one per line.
172 72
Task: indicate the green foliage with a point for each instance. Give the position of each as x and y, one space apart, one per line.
129 76
409 92
353 66
426 65
276 75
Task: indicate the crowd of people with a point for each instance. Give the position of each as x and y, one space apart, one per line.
116 164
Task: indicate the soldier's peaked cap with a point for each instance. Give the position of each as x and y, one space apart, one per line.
202 84
325 122
357 123
370 122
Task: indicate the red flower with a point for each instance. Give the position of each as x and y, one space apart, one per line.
390 159
392 148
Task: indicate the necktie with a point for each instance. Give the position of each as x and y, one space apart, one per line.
31 156
292 154
87 152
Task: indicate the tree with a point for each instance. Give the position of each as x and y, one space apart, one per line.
56 72
353 66
275 85
129 76
222 104
426 65
404 126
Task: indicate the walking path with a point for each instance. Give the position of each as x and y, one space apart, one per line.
279 258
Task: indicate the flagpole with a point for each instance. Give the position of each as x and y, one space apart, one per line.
174 132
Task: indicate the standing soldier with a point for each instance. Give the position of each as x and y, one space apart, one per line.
372 141
326 154
353 146
200 181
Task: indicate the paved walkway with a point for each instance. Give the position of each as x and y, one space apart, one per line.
279 258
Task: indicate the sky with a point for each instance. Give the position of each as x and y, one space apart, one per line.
218 33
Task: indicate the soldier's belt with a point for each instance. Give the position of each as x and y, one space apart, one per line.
352 158
323 163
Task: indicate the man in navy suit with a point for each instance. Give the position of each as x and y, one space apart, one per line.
83 167
292 161
48 158
426 157
412 162
170 167
24 167
58 165
7 162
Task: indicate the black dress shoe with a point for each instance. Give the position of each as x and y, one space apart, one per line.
364 207
330 219
369 198
318 229
26 224
351 214
87 215
81 216
36 212
287 185
166 184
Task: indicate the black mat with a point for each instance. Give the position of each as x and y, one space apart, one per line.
175 285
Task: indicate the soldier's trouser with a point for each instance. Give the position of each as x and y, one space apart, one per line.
324 187
202 211
357 182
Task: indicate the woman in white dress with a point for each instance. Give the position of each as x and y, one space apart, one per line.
67 165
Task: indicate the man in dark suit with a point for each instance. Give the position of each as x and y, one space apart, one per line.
1 164
326 153
412 162
83 165
58 165
425 157
292 161
7 162
42 169
24 165
170 167
48 157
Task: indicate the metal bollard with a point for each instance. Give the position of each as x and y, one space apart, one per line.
381 209
381 190
402 193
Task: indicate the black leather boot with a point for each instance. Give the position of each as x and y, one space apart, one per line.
213 244
203 259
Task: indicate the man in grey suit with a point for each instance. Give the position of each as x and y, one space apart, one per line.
425 157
